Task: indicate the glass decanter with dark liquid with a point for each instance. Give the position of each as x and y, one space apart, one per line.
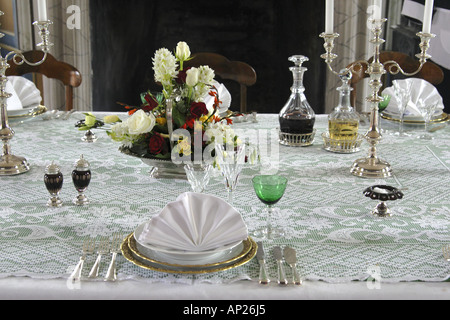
297 117
54 180
81 177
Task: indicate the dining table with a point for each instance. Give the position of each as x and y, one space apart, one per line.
344 251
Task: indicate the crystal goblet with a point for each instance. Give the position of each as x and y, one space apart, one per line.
270 189
198 176
427 111
231 160
402 94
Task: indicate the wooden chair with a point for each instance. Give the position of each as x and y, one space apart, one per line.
237 71
430 71
51 68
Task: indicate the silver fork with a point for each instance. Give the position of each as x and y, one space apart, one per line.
88 248
446 251
115 250
103 248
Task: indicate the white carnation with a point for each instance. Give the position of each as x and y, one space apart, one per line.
206 75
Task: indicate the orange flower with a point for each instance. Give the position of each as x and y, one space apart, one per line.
215 119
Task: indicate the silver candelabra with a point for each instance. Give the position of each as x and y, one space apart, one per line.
10 164
372 166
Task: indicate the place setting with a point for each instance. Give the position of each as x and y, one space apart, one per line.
196 234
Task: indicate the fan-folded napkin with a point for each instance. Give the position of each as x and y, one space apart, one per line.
26 91
195 223
421 90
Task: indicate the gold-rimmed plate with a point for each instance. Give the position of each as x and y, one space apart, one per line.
444 117
26 113
129 251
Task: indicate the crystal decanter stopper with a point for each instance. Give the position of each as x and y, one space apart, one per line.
81 177
297 116
344 120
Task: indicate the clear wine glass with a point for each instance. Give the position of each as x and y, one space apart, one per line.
198 176
427 111
231 160
270 189
402 93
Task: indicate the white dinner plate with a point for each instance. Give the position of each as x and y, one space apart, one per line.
26 114
22 112
412 117
132 254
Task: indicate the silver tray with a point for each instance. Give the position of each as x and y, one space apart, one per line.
161 169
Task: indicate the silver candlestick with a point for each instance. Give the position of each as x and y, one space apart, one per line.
10 164
372 166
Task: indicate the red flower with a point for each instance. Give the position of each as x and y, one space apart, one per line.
198 109
157 144
181 79
152 103
189 123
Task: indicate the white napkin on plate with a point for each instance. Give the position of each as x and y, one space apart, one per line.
14 102
27 92
224 96
421 90
195 223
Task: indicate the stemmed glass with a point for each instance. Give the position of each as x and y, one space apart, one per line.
402 94
427 111
198 176
269 189
231 160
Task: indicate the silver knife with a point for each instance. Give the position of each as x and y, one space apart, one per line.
290 256
261 256
281 274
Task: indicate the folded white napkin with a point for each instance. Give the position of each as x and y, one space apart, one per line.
27 92
224 96
14 102
195 223
421 90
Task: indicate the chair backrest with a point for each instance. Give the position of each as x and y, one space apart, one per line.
430 71
237 71
51 68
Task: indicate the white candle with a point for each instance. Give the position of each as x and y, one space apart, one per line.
428 16
378 7
329 17
42 10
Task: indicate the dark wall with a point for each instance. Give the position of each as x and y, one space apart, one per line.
263 33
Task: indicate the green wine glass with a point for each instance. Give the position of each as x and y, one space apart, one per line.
269 189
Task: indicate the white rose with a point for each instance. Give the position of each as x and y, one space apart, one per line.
183 52
192 77
140 123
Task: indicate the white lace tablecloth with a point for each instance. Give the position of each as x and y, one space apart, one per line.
324 211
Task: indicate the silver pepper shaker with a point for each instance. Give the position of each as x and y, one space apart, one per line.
54 180
81 177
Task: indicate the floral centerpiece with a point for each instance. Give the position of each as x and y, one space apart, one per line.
175 124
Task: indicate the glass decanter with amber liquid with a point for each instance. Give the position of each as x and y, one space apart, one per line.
297 116
344 120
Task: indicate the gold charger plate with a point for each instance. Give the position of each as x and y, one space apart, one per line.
130 253
444 117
